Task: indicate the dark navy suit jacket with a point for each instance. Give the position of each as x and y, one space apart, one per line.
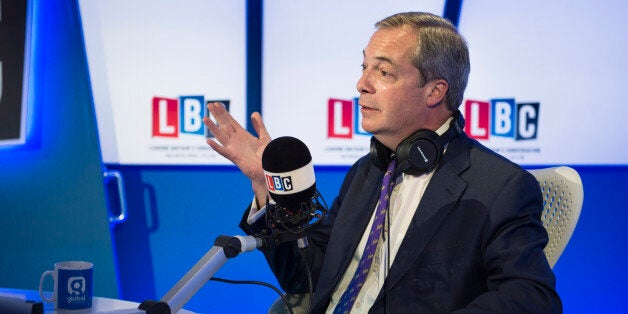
475 244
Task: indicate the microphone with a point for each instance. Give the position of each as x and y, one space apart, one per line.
290 181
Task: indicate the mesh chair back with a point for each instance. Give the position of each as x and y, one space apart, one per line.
563 194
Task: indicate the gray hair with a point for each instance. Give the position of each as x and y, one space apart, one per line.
440 53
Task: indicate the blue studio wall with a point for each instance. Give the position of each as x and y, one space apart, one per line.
53 191
51 203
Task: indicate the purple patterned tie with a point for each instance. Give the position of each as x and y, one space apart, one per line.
348 297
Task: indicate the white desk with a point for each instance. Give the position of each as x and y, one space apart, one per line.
99 304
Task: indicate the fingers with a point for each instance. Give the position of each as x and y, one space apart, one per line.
213 128
218 134
225 121
224 126
218 148
259 127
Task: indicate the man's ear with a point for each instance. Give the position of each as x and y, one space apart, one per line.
437 93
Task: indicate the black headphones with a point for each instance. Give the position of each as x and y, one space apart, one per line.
419 152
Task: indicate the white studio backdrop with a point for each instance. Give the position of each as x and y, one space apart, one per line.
311 64
153 66
545 82
568 58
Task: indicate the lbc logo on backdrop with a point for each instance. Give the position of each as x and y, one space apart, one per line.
497 117
501 117
344 119
183 115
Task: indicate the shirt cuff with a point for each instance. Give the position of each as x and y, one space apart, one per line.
255 214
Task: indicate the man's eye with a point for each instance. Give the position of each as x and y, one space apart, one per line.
363 66
384 73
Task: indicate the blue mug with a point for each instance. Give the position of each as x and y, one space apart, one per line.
73 285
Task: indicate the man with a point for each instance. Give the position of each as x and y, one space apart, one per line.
462 234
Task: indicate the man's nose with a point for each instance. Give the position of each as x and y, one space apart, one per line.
364 85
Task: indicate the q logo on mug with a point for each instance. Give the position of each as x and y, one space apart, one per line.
76 285
73 285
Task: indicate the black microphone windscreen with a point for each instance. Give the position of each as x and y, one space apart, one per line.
289 171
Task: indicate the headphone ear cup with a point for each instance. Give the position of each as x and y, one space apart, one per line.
418 153
380 154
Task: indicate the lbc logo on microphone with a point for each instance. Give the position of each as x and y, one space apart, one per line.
278 183
183 115
502 117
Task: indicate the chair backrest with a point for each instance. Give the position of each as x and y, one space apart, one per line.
563 194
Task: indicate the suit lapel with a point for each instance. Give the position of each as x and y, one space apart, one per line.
353 218
442 193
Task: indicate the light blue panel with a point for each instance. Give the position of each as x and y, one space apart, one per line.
52 206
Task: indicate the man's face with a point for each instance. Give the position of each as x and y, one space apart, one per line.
392 104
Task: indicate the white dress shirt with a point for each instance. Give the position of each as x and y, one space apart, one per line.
404 201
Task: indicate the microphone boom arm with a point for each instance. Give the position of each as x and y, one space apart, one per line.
225 247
